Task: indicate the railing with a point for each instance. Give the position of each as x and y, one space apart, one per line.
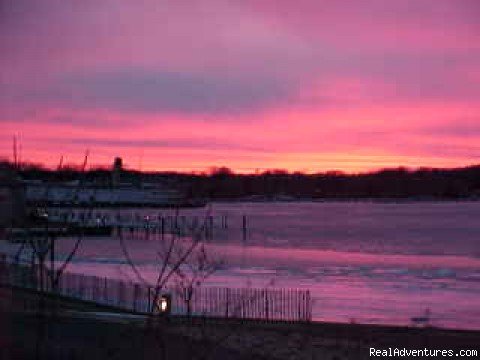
241 303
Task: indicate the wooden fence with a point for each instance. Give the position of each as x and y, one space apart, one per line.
267 304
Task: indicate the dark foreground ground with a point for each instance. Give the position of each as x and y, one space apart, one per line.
81 331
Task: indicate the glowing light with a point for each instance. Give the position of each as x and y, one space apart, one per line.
163 304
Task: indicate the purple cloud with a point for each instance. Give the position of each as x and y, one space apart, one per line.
136 90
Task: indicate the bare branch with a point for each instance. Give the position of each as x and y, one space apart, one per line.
130 262
59 272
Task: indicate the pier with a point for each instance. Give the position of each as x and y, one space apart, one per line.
137 225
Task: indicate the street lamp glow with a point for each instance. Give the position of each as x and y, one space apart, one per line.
164 304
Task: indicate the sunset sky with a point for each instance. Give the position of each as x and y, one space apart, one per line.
249 84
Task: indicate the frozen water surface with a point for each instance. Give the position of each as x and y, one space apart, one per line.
363 261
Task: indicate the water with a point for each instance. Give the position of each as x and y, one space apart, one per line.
364 262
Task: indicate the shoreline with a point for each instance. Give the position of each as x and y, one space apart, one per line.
339 291
239 339
381 200
247 200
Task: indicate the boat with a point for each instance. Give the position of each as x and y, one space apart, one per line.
114 194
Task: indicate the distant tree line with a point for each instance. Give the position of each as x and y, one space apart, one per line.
222 183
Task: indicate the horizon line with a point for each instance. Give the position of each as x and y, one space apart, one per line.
209 170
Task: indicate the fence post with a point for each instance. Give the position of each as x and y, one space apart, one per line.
244 228
267 314
300 305
162 225
149 301
227 300
80 278
105 290
135 296
119 293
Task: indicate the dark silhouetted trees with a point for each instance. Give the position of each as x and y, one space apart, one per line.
221 183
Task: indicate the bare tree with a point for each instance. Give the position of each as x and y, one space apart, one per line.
174 253
186 263
192 275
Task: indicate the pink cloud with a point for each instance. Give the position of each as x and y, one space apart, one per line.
311 85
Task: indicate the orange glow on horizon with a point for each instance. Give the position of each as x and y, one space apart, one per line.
260 87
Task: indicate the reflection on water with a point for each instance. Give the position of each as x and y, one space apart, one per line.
364 262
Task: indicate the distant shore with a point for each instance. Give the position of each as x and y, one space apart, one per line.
387 200
223 184
373 200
